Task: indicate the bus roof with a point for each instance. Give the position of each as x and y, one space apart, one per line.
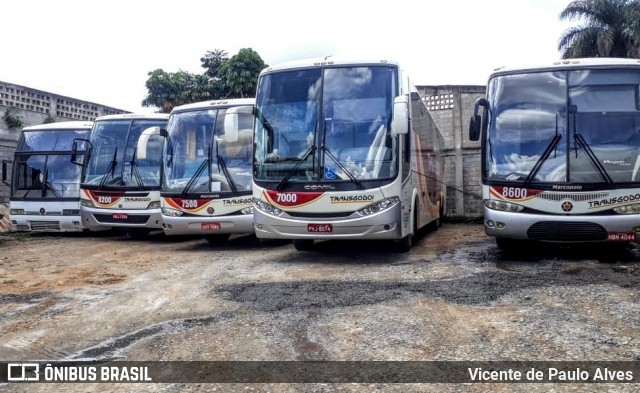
63 125
132 116
215 104
567 64
324 61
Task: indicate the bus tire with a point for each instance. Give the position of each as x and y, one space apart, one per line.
405 244
303 244
218 239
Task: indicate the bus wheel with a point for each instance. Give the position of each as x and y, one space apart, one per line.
217 239
303 244
405 244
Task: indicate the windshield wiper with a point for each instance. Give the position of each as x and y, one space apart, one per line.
545 155
110 170
222 167
579 140
195 176
46 184
134 169
344 169
286 178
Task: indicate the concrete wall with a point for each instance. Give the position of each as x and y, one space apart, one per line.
451 108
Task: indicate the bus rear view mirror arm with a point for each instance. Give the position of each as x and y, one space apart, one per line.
400 122
476 125
4 171
143 141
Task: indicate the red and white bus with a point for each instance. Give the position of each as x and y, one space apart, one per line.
120 189
561 152
344 149
206 185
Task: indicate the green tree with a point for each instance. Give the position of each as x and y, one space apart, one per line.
223 78
611 28
211 62
49 119
169 89
240 73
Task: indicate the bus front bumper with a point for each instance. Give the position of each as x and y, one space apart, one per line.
383 225
31 223
100 218
207 225
562 228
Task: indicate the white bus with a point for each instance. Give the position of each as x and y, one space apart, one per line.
206 186
45 186
344 150
560 152
119 189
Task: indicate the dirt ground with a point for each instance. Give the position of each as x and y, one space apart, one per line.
455 296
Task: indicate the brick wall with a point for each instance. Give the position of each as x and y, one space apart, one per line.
451 107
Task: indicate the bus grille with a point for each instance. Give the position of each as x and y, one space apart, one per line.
320 215
108 219
45 225
567 231
576 197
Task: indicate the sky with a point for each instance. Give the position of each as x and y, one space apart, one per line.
103 51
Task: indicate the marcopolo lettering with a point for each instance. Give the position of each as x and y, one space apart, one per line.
566 187
351 198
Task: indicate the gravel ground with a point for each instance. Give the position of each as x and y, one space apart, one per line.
454 297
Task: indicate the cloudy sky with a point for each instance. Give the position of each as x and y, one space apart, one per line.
102 51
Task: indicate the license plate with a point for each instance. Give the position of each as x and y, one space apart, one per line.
210 226
621 236
120 216
319 228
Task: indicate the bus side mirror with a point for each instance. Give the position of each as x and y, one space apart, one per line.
400 120
143 141
74 152
4 172
476 125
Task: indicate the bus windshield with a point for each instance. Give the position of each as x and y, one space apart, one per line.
588 122
200 157
336 120
42 166
113 162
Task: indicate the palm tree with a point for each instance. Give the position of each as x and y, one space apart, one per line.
611 29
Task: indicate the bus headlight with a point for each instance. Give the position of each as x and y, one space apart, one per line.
167 211
16 212
628 209
247 210
267 208
502 206
154 205
379 206
87 203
